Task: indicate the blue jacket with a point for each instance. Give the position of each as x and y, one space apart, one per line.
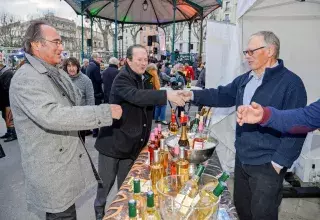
108 75
255 144
93 72
301 120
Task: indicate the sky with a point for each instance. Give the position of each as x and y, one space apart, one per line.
23 9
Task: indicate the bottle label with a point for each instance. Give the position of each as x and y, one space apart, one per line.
198 145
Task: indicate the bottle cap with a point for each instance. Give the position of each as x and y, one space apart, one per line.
225 175
219 189
150 199
200 170
201 119
152 138
132 208
159 127
136 185
156 131
181 153
162 144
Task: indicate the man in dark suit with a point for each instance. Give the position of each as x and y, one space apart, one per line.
108 76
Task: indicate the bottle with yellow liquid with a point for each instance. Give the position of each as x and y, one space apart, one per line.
132 209
156 170
173 126
164 156
183 141
137 196
188 192
209 200
183 166
151 212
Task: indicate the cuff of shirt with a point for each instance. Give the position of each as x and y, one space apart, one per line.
276 165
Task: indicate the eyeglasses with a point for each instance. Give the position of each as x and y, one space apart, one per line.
57 42
250 52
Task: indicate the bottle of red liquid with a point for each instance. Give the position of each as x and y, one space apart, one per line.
173 167
160 132
151 147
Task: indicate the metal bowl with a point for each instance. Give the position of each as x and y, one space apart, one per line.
194 156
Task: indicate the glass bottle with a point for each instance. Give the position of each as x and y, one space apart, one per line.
137 196
198 142
160 131
156 137
194 124
173 126
132 209
183 166
164 156
151 148
183 141
151 212
156 170
188 192
173 162
313 175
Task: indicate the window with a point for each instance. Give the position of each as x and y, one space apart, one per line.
227 18
227 5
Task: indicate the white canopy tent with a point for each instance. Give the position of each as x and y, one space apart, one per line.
296 23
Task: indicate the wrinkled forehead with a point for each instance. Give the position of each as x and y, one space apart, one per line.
139 53
256 41
50 33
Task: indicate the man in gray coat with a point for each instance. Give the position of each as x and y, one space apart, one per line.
45 104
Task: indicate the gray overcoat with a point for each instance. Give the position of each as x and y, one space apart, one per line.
56 166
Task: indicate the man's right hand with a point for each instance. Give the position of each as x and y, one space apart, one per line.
186 95
116 111
175 97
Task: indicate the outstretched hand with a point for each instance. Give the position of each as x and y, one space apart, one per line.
250 114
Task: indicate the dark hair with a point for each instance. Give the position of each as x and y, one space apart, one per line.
130 50
33 34
73 61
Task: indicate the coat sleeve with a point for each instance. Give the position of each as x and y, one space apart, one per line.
89 92
301 120
291 145
126 89
223 96
39 104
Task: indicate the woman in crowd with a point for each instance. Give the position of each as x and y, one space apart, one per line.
72 67
160 111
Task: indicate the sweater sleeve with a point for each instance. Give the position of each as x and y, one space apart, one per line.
290 145
89 92
297 121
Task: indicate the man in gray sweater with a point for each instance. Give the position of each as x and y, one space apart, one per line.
47 115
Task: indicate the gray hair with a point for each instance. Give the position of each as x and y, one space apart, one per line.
85 60
114 61
95 55
33 34
270 39
151 66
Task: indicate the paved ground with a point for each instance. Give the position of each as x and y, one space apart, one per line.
13 198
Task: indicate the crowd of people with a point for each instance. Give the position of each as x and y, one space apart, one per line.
54 106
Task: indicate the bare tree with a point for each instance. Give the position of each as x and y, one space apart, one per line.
10 30
134 30
196 27
106 30
178 31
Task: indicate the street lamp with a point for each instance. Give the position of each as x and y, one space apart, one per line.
145 5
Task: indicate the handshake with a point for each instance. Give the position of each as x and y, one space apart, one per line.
250 114
179 97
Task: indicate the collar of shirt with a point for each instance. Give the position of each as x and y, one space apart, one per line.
257 77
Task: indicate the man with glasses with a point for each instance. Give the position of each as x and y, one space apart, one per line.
47 116
262 154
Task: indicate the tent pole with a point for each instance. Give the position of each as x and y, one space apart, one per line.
122 40
173 30
82 43
91 33
189 49
201 36
115 29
